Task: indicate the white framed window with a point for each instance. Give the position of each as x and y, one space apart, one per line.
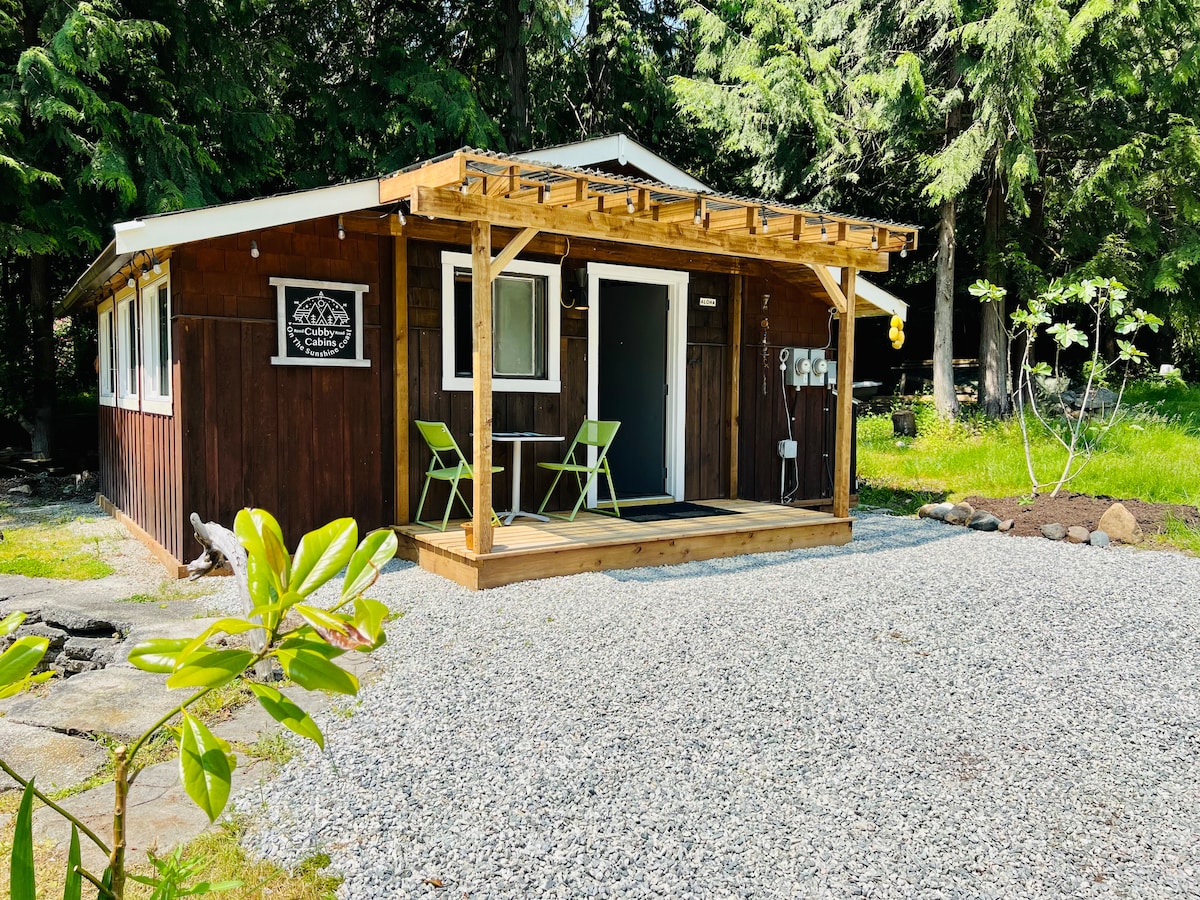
156 345
525 326
128 351
106 365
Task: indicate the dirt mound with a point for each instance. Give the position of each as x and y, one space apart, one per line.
1081 509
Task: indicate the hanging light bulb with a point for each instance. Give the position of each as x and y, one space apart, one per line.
145 271
466 186
341 230
874 239
157 265
254 249
763 214
904 249
628 201
400 216
697 218
824 231
130 282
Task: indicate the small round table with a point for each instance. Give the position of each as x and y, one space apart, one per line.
518 439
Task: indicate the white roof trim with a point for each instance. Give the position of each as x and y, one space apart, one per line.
619 147
181 227
888 304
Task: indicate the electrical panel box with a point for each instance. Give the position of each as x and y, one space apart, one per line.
819 367
798 367
831 373
787 449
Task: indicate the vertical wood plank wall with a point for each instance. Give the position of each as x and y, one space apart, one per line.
140 471
798 316
308 444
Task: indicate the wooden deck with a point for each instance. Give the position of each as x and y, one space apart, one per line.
527 550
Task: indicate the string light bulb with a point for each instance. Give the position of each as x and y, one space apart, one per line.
254 249
874 239
904 249
130 282
157 265
628 202
824 231
400 217
765 225
341 229
697 218
466 186
145 271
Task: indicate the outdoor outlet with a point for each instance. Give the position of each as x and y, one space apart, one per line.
787 449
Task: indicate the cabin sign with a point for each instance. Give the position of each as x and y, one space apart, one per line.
319 323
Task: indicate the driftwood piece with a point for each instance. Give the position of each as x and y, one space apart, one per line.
222 547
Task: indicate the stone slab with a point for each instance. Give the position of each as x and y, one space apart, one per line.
160 815
58 761
122 702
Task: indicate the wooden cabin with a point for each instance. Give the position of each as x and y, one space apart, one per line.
276 353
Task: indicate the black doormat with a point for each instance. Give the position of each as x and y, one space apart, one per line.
664 511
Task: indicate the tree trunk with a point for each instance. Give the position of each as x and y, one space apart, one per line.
514 69
42 388
993 335
945 399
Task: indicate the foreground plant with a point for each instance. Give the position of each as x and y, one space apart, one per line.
1079 433
304 645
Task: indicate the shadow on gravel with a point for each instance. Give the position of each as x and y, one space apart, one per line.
874 533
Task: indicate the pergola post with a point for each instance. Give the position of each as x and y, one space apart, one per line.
481 383
844 439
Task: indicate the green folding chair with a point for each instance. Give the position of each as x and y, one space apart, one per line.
448 464
591 434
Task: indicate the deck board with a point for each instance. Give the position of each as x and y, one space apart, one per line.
528 550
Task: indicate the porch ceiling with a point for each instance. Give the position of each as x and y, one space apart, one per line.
474 185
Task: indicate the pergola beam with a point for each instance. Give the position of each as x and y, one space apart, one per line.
446 203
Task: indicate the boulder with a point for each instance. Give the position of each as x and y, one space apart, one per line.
959 514
1007 525
1077 534
1054 531
935 511
56 636
983 521
89 648
1120 525
1099 539
24 489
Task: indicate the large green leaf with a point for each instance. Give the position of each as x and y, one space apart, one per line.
369 616
157 654
11 623
11 690
267 564
287 713
322 554
311 670
372 554
22 658
211 668
20 868
221 626
73 889
205 765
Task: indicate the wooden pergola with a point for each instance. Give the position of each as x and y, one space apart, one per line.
487 189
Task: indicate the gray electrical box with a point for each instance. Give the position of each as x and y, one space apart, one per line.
798 367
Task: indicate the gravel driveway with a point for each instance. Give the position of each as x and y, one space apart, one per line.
928 712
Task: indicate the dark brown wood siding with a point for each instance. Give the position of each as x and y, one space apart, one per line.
797 316
308 444
140 471
706 444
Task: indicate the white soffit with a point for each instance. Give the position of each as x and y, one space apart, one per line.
621 148
174 228
887 304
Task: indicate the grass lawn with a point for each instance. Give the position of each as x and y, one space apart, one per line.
56 545
1152 454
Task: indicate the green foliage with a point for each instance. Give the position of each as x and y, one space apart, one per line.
306 653
174 871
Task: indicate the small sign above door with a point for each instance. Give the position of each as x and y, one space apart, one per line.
319 323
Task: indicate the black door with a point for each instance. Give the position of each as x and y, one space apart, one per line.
633 384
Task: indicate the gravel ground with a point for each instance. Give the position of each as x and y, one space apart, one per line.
928 712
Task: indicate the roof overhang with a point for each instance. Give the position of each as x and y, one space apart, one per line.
618 148
877 301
